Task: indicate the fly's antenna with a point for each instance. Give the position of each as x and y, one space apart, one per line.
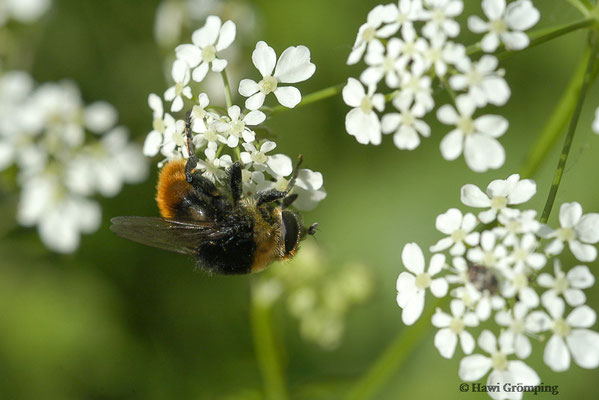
291 183
189 140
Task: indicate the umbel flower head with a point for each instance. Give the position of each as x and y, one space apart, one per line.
409 49
493 271
223 135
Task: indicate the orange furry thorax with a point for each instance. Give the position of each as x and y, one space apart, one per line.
172 187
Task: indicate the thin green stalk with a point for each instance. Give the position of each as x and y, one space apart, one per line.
584 6
590 57
266 351
228 96
394 355
312 97
537 37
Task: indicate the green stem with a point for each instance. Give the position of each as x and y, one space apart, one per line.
582 5
311 98
228 96
589 59
536 38
394 355
266 350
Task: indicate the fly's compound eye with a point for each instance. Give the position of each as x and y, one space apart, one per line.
292 230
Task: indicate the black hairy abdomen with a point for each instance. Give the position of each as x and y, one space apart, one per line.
233 254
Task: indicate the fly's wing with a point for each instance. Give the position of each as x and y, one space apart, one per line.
173 235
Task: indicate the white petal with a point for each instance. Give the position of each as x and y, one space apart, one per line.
490 42
515 40
439 287
280 164
523 374
255 101
452 144
574 297
406 288
491 125
448 115
477 25
487 342
412 258
288 96
413 308
582 317
472 196
254 118
521 15
483 153
152 144
583 252
580 277
309 180
218 65
264 58
522 346
200 72
294 65
248 87
584 345
441 319
588 228
226 36
570 214
189 53
474 367
180 70
353 93
449 222
207 34
556 354
496 90
445 342
467 342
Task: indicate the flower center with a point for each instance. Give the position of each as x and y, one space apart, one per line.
561 284
518 326
456 325
366 105
281 184
474 77
409 49
498 26
499 202
268 84
210 136
489 259
520 281
423 281
259 157
521 254
369 34
514 226
561 327
566 234
237 127
209 53
408 118
159 125
401 18
499 361
458 235
434 54
466 125
388 64
198 112
414 84
438 16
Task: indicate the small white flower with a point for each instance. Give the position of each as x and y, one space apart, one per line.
237 126
459 229
309 188
483 82
259 159
407 124
411 287
500 193
440 53
514 225
370 31
596 122
180 75
362 121
518 325
405 13
200 116
524 253
568 285
454 326
100 116
439 17
489 253
476 138
207 41
381 64
416 87
163 126
293 66
576 229
504 371
569 335
516 284
505 24
411 47
212 167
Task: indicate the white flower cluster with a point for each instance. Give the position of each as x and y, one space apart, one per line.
64 152
228 135
496 264
24 11
409 46
316 296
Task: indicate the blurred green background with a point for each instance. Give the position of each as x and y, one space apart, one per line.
119 320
